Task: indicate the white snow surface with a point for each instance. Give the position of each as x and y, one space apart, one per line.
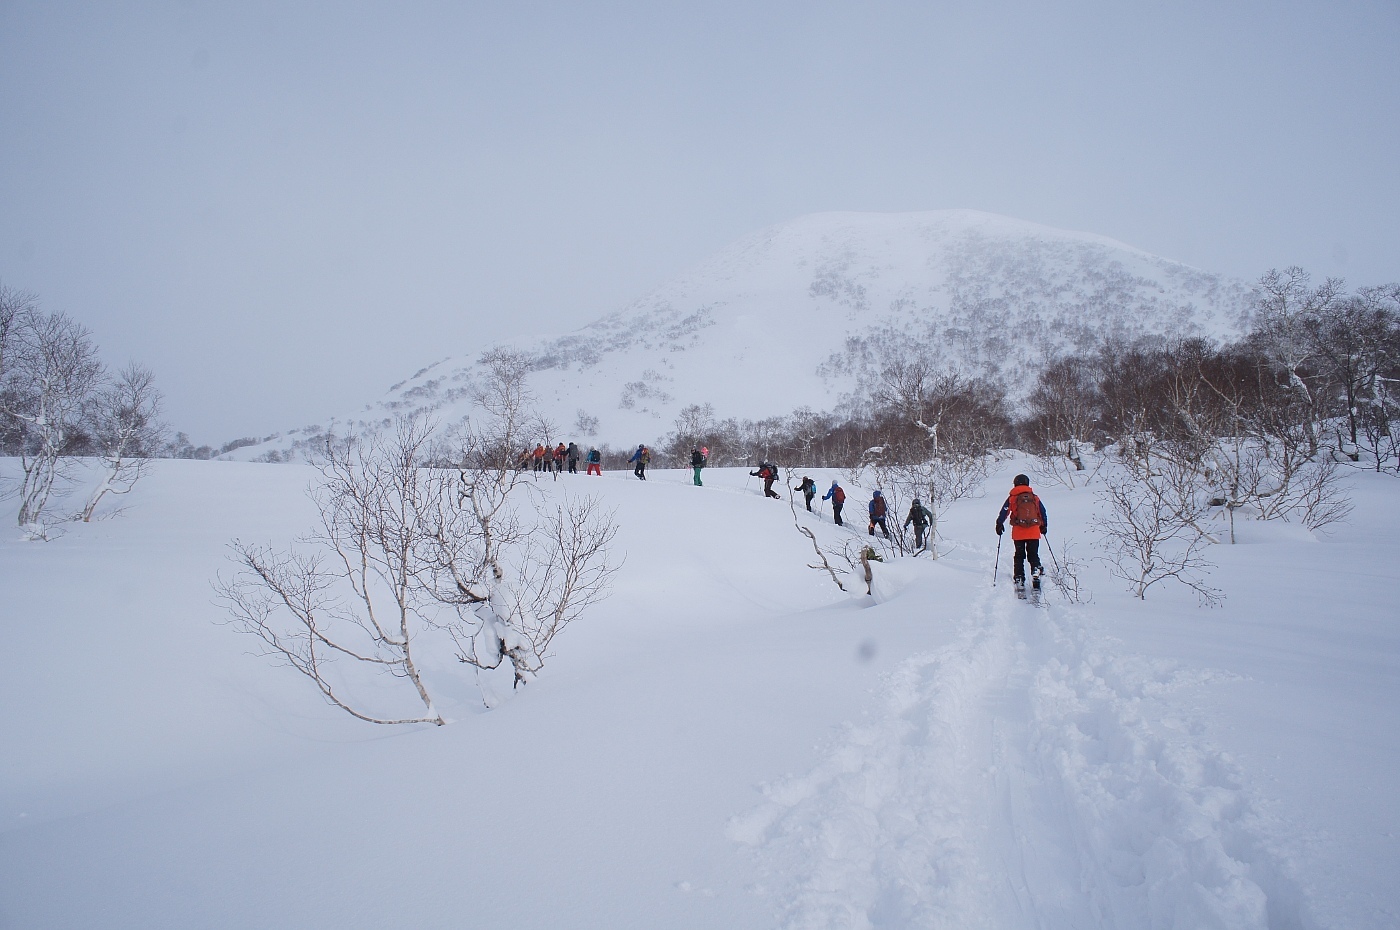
790 316
728 741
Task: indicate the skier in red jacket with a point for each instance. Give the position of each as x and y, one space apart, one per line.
1028 524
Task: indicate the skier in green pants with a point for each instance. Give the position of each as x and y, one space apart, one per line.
699 458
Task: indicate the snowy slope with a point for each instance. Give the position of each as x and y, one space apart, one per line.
789 316
727 742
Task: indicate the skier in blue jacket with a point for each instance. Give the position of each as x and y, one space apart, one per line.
837 496
640 458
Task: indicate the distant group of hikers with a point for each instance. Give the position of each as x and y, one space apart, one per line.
556 459
1023 508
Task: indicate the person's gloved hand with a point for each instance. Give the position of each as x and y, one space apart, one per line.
1000 529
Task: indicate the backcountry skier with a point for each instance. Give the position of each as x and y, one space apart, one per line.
920 516
640 458
1028 523
837 496
769 473
878 509
698 460
808 487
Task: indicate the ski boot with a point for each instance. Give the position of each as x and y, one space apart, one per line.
1020 585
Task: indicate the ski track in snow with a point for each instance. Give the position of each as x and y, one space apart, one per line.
1010 779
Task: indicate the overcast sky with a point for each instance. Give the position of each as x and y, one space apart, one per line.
283 207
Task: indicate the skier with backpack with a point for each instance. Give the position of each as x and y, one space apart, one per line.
573 455
837 496
1028 523
878 508
769 473
808 487
560 453
595 462
698 460
921 517
640 458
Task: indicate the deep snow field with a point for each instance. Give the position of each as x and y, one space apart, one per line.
728 741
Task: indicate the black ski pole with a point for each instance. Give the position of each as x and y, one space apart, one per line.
1053 561
998 563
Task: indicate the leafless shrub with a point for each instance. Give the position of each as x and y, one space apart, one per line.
408 546
1149 527
1067 568
353 590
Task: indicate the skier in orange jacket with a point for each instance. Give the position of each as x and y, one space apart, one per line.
1028 524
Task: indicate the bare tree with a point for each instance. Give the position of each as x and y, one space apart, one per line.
516 579
125 429
1065 409
1253 447
353 590
52 372
15 307
1285 306
1149 528
408 546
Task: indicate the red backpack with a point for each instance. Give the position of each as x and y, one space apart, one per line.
839 495
1025 509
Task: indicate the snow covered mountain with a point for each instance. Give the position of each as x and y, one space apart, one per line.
811 301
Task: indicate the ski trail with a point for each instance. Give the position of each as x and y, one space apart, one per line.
883 832
1011 779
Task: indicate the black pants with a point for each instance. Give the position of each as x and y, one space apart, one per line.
919 535
1026 549
880 522
768 488
836 511
573 466
640 471
809 499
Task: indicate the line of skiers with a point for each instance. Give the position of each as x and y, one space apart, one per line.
920 517
556 459
1023 508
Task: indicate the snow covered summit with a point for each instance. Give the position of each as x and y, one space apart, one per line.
791 315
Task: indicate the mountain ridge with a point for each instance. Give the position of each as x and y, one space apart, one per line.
796 314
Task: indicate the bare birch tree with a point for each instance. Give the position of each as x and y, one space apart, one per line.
421 534
353 590
125 429
52 371
520 576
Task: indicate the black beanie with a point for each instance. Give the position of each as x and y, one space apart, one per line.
1020 480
